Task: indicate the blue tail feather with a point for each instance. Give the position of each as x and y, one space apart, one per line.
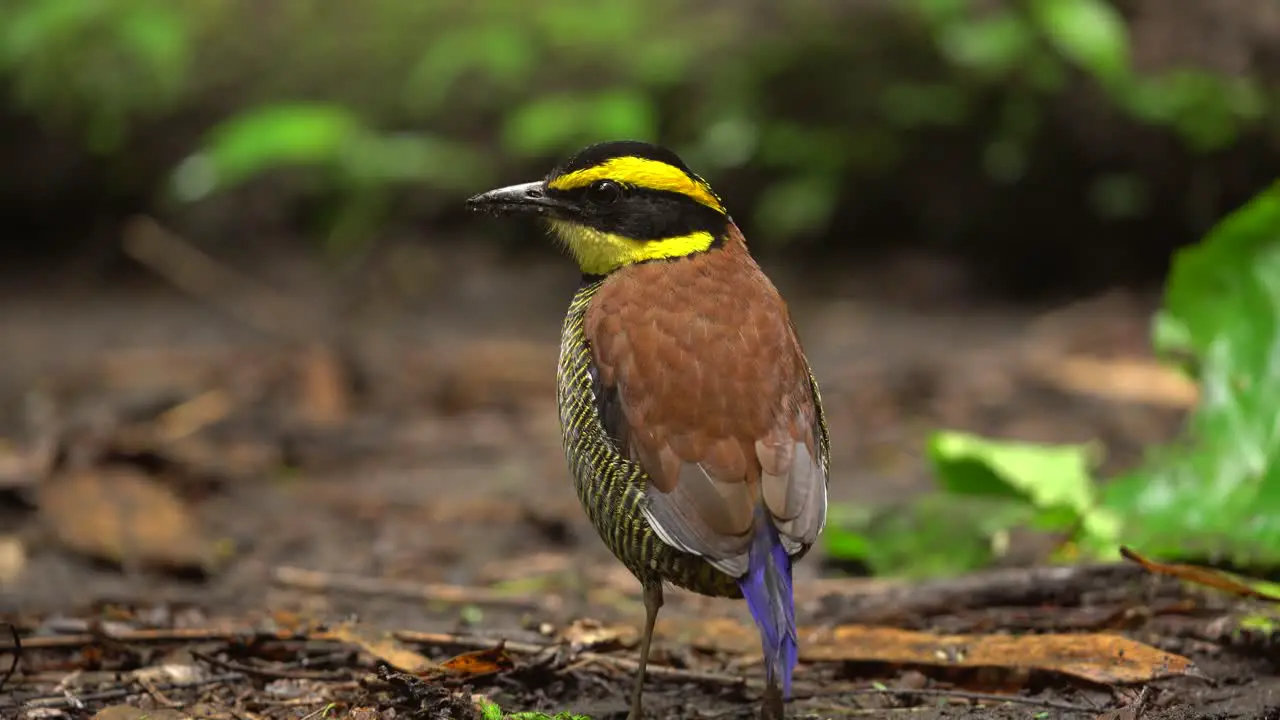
767 588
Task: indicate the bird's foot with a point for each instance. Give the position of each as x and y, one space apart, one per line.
771 705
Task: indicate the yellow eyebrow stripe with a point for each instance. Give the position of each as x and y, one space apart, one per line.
643 173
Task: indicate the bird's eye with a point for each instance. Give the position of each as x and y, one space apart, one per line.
604 192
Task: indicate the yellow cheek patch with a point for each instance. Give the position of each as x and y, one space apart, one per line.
642 173
600 253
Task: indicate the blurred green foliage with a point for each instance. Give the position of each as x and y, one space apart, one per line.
810 96
99 66
1219 492
1214 494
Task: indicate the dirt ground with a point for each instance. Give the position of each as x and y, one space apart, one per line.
202 516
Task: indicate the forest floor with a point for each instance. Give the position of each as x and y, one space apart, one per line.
155 556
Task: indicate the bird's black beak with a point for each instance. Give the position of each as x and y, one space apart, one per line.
524 198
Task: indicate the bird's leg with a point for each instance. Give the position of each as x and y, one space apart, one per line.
652 602
771 707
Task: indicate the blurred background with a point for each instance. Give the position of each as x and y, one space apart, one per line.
247 328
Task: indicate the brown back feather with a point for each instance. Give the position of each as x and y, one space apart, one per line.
701 377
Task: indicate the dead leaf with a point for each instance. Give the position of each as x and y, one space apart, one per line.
1207 577
586 634
722 634
384 647
325 398
1101 658
180 673
24 467
1123 379
129 712
480 662
13 559
122 516
190 417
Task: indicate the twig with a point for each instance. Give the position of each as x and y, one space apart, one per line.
317 712
631 665
958 695
50 642
58 701
272 673
199 275
155 692
1140 705
239 673
617 662
17 655
316 581
1199 575
1017 587
471 642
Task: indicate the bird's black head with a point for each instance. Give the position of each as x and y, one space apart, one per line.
618 203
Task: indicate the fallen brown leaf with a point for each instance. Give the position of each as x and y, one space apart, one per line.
122 516
1101 658
24 467
1207 577
13 559
1123 379
479 662
384 647
324 394
722 634
586 634
190 417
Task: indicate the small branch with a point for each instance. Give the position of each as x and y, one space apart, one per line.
1007 587
274 673
17 655
203 277
631 665
59 701
50 642
287 670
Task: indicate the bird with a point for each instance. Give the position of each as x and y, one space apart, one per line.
691 419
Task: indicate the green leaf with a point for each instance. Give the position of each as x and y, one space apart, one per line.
936 535
328 137
265 138
912 105
158 37
846 544
556 123
36 26
1219 490
540 126
1046 476
385 158
503 53
994 45
1091 33
623 113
